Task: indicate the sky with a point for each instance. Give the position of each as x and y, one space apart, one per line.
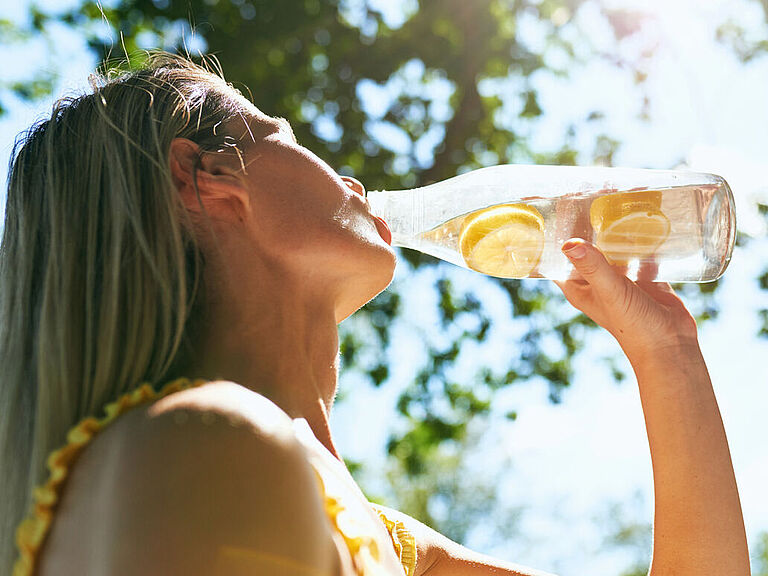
567 463
572 461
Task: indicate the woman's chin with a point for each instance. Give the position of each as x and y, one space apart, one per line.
365 290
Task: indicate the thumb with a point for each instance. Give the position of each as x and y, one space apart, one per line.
593 267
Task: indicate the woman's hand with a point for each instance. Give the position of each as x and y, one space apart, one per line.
698 526
645 317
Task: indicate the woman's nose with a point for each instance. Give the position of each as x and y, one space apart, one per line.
354 184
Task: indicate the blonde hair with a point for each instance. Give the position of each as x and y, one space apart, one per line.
98 264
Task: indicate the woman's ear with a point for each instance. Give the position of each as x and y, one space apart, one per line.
184 159
210 179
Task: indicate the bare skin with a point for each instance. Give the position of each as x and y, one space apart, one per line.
293 251
698 522
290 250
274 304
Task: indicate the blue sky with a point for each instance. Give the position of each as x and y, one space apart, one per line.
707 111
571 461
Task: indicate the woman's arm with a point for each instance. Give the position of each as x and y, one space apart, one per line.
698 526
440 556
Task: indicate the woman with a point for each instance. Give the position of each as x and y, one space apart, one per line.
163 227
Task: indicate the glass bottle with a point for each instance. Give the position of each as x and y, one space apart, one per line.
510 221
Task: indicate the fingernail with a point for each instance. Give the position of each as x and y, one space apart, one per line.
574 250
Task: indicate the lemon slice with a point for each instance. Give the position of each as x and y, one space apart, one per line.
504 240
629 225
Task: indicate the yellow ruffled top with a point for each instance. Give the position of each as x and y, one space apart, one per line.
31 533
402 540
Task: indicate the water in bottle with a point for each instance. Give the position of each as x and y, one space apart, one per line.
510 221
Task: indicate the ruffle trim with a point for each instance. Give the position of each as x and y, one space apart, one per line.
32 531
402 540
362 547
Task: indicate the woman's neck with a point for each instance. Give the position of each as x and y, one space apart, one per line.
284 348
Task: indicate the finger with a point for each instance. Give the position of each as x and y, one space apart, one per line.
648 270
573 276
578 295
660 291
650 286
590 263
564 285
572 283
576 292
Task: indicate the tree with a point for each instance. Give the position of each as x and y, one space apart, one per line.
310 61
760 555
626 533
746 46
400 103
31 87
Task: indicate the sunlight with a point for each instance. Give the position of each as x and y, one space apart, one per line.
676 16
673 20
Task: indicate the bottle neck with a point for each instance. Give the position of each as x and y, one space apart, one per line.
403 211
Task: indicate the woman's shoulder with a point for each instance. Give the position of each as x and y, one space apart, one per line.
219 469
216 416
204 481
216 404
218 426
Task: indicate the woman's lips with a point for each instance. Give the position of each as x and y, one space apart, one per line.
383 228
